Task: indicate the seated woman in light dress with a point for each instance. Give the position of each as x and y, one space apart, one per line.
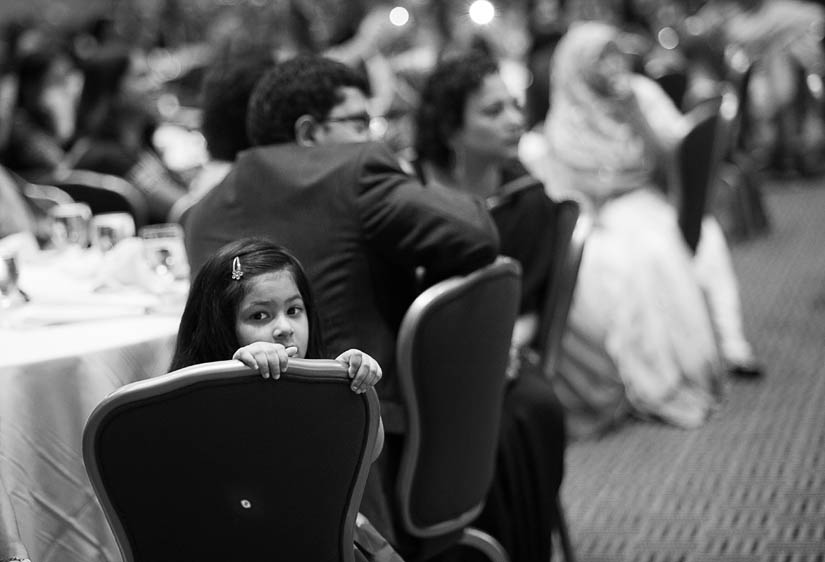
651 327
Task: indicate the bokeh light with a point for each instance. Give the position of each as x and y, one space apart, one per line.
399 16
482 12
668 38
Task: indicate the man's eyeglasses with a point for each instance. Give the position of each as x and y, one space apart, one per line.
377 126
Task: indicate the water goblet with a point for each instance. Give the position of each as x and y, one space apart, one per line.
164 250
110 228
70 226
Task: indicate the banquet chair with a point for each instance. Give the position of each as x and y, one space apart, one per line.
673 81
738 204
46 196
103 193
572 229
696 161
453 349
214 462
738 73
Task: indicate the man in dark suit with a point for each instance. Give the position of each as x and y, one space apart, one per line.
360 226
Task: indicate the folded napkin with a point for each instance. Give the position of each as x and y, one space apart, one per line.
21 244
126 267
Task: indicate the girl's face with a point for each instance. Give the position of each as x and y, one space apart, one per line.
273 311
493 122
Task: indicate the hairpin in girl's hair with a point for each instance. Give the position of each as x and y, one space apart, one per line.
237 272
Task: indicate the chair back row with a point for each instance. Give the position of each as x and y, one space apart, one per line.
104 193
214 450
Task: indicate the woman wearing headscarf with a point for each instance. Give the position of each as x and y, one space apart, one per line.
651 326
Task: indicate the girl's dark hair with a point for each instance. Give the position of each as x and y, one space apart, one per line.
207 327
443 100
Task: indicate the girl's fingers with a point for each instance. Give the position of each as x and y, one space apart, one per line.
268 359
358 381
244 356
368 374
263 364
278 361
354 361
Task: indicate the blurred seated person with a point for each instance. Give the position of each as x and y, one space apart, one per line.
225 92
18 213
784 39
468 129
45 113
643 325
116 123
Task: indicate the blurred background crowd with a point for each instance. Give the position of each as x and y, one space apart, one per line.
154 93
115 87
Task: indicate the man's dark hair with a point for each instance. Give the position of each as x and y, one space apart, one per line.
443 99
225 92
303 85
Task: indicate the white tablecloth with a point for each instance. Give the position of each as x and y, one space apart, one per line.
44 404
54 369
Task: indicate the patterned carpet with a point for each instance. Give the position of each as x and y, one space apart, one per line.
750 485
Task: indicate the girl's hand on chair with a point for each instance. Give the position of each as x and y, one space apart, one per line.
270 359
361 368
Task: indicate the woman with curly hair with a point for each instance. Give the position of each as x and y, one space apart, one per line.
468 130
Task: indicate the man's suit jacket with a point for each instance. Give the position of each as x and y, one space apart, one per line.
359 225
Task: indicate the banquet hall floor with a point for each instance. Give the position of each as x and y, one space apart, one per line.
750 484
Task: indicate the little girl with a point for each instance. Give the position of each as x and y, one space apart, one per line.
252 302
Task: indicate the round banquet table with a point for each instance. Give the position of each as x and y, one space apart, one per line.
57 362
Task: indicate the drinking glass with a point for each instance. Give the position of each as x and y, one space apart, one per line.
164 250
10 294
110 228
70 225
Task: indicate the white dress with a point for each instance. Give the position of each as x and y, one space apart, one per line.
641 336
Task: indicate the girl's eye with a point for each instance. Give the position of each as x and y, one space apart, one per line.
259 315
294 310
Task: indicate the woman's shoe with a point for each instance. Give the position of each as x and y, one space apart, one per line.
750 369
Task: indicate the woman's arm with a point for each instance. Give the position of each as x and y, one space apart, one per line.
654 115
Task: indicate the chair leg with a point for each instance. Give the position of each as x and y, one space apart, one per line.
561 531
484 542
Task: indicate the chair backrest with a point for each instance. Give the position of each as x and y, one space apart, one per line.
453 349
739 72
213 462
46 196
674 84
697 158
571 232
104 193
